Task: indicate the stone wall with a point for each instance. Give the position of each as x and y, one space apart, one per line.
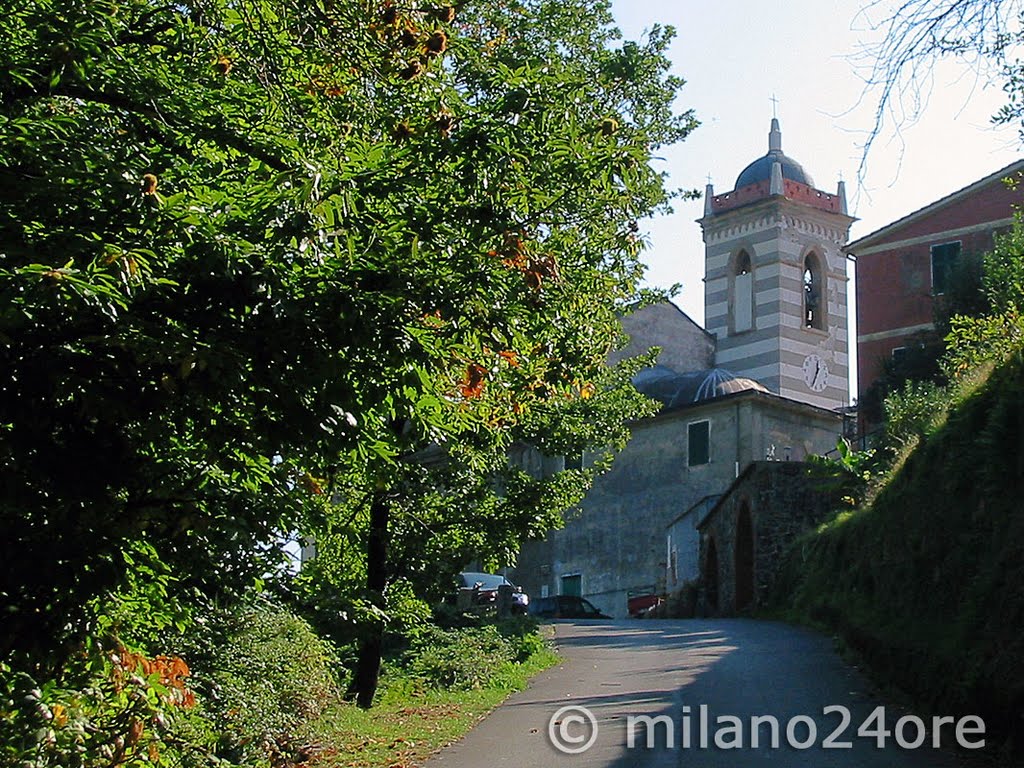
780 500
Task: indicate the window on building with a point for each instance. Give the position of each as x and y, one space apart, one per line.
943 258
742 294
574 461
814 294
899 353
699 443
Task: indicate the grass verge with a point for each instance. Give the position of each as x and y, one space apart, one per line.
410 722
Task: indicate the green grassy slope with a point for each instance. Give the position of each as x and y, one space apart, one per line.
927 582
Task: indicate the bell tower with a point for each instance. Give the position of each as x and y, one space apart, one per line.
775 282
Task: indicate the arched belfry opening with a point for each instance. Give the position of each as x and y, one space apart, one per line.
742 293
744 563
710 578
814 293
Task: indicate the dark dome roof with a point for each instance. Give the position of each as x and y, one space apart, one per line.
674 390
761 170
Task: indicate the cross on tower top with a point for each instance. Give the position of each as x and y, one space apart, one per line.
775 104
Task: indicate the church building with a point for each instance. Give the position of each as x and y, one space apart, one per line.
765 379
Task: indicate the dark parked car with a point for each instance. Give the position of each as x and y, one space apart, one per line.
565 607
485 587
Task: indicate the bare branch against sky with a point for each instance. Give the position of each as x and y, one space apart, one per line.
910 39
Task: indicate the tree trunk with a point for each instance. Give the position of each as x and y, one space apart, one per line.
364 684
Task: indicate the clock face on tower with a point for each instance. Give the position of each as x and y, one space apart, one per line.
815 373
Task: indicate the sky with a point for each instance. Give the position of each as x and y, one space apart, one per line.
736 55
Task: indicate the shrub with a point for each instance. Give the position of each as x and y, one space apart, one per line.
914 411
265 673
108 706
521 632
526 646
462 659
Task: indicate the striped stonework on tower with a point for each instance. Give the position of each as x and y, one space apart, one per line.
775 280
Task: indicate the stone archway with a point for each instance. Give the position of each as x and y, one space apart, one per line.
711 578
744 562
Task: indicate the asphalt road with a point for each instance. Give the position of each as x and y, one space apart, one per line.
735 668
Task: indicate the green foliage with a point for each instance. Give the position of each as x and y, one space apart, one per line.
461 658
144 605
264 674
238 280
914 412
257 682
919 362
977 341
848 475
474 652
463 503
973 341
472 657
111 706
523 632
408 615
1004 271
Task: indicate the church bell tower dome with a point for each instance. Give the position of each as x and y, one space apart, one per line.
761 169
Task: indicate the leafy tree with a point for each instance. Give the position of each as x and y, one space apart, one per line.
451 505
847 476
1003 274
253 251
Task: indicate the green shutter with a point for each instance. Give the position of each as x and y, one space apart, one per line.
943 258
699 448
